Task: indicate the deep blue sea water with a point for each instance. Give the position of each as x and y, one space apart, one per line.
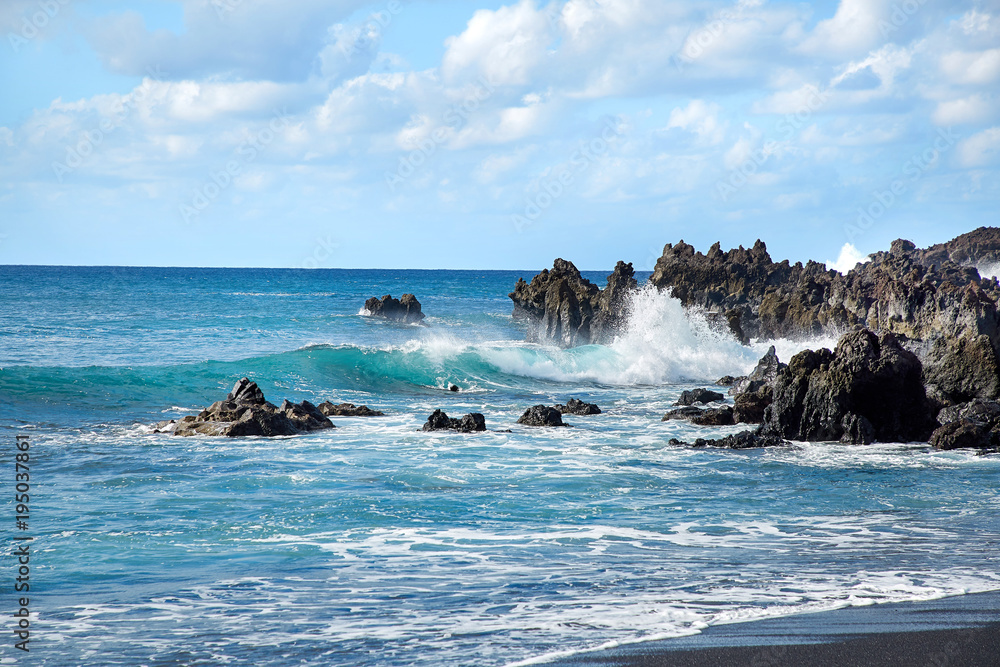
378 544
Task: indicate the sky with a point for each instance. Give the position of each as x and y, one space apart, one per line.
491 135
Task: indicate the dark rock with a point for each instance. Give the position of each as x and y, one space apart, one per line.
348 410
963 369
964 433
246 392
575 406
541 415
453 387
868 389
744 440
749 407
699 396
246 412
406 309
767 370
979 411
726 381
439 421
924 296
715 417
564 308
687 412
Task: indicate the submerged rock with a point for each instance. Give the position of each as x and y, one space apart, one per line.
868 389
439 421
564 308
699 396
348 410
406 309
246 412
541 415
575 406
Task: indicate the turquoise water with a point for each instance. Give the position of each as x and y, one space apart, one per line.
376 543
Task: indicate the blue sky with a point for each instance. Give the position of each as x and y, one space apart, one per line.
461 134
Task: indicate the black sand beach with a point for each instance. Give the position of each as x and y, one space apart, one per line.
949 632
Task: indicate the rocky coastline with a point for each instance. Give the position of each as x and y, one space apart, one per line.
917 360
918 357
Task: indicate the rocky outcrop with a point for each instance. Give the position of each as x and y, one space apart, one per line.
575 406
868 389
749 407
975 424
439 421
744 440
245 412
767 370
406 309
690 397
945 311
541 415
703 417
348 410
980 247
564 308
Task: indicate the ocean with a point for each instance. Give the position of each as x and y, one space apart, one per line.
378 544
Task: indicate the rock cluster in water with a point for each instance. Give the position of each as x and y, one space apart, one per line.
406 309
470 423
246 412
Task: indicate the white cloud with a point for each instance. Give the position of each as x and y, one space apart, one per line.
853 30
699 118
981 148
976 67
505 46
973 109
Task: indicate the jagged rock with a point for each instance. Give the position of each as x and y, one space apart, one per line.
744 440
246 412
976 248
767 370
541 415
924 296
726 381
983 412
699 396
348 410
439 421
868 389
749 407
575 406
715 417
564 308
406 309
964 433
